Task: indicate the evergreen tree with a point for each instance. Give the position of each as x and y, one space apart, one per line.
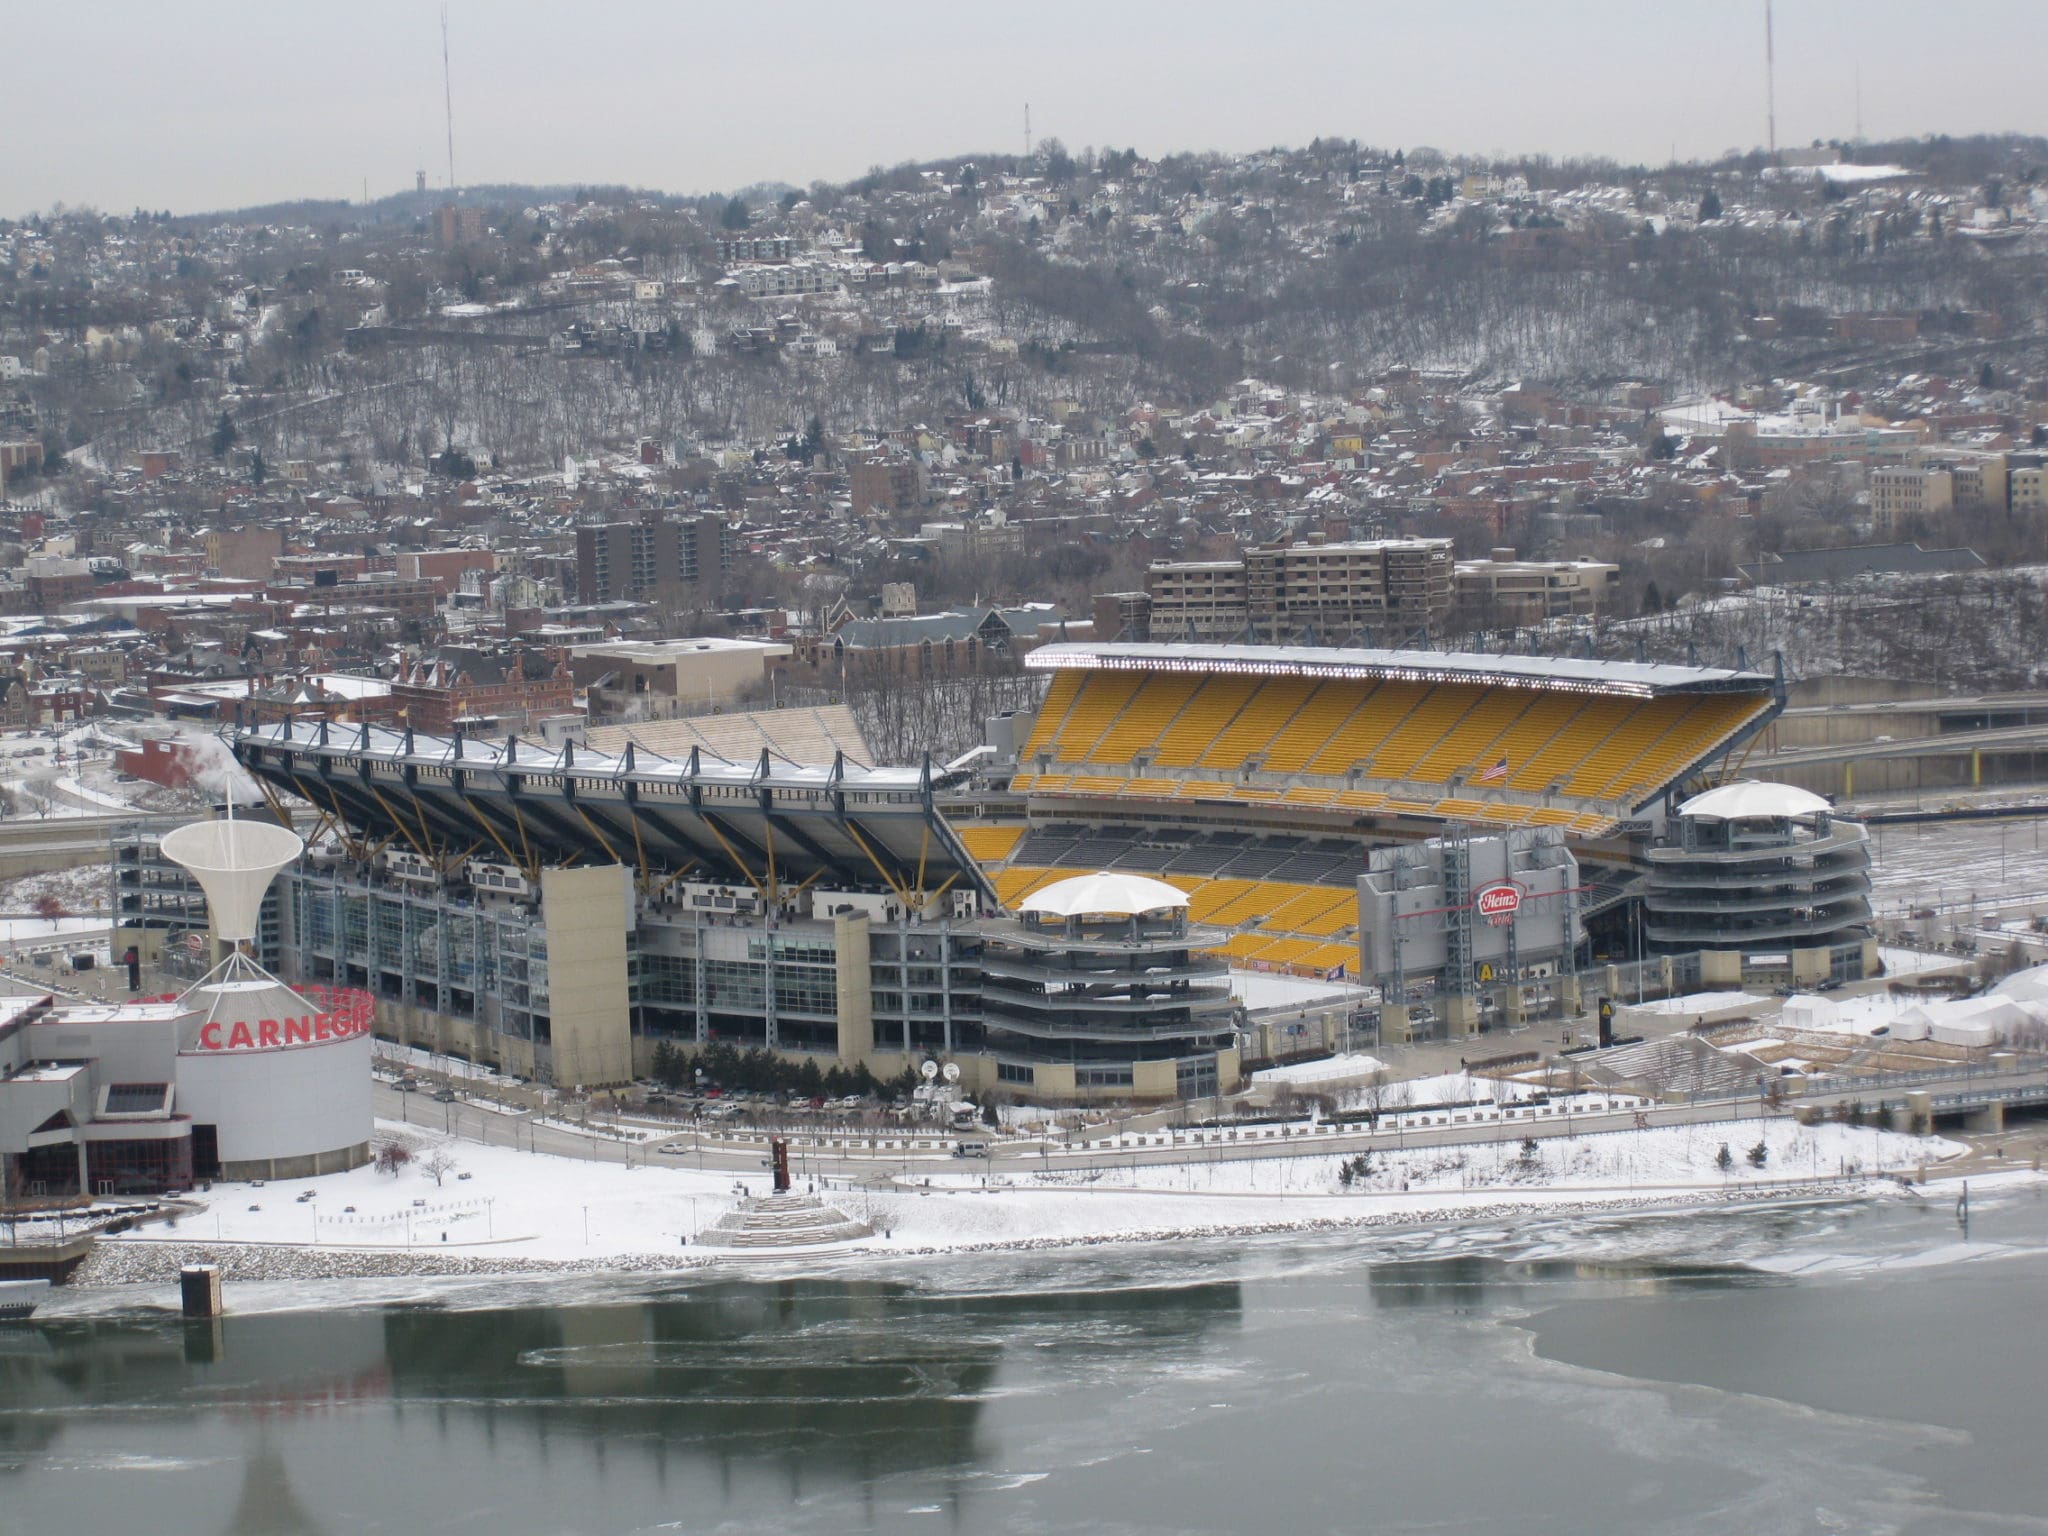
1710 206
734 216
225 435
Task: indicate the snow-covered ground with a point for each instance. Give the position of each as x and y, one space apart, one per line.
1330 1069
81 889
1678 1157
1719 1003
513 1204
1264 989
25 931
498 1203
1912 962
1957 866
1456 1088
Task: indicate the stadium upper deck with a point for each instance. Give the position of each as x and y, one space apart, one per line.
768 822
1493 740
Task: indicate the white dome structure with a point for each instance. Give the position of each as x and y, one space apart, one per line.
1106 893
1768 873
1751 800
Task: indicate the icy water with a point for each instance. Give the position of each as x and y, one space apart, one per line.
1828 1369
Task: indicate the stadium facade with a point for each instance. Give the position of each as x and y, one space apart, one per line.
560 911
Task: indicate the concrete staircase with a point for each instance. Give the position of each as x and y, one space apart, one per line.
783 1222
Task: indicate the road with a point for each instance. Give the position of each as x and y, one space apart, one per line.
889 1153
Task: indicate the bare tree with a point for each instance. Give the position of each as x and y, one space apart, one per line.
438 1164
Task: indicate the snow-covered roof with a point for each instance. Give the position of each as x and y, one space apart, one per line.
1565 673
1748 800
1104 892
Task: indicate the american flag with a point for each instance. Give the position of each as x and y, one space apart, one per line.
1496 773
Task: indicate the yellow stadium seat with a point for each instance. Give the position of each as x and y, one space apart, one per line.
1327 707
1059 699
1103 697
1327 957
1355 741
1214 705
1424 728
991 845
1271 705
1162 696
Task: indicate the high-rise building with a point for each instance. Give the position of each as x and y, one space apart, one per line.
1386 588
638 561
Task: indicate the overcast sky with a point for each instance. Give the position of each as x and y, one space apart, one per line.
209 104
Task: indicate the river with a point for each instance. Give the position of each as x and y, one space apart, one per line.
1833 1368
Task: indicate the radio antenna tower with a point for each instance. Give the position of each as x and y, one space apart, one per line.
448 101
1027 130
1770 79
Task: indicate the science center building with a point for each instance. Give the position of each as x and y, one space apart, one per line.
239 1077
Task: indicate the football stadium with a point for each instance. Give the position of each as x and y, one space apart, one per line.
1257 778
562 910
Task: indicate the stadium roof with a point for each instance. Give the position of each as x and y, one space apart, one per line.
1565 673
765 822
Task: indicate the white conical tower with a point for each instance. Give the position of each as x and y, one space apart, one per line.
234 863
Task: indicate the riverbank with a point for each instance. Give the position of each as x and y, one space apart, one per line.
461 1210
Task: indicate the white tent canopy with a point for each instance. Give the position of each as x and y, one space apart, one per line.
1749 800
1104 893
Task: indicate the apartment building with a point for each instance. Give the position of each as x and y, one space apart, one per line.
1503 592
772 282
887 480
1389 588
1197 600
1981 480
2027 481
1901 496
634 561
754 248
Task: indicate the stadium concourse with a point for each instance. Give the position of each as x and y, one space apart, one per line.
1255 778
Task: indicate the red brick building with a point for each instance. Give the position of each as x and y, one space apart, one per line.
489 693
